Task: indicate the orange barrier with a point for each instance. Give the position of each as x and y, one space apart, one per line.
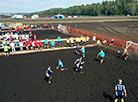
117 42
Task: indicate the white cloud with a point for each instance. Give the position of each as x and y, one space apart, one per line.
42 3
6 4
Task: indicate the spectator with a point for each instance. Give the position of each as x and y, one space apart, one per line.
104 42
77 41
40 45
46 43
36 46
67 42
84 40
59 42
26 45
87 39
52 26
111 41
30 45
21 46
12 46
94 39
33 45
52 44
72 41
6 50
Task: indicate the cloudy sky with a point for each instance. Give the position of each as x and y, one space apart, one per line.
16 6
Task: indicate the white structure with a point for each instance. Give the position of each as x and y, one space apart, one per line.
75 16
17 16
34 16
69 16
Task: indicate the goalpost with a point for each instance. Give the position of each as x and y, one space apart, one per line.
131 46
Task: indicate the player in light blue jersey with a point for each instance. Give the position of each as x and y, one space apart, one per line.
59 41
120 91
101 55
83 51
48 74
60 65
79 64
52 44
46 43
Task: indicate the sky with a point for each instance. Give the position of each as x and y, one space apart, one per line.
27 6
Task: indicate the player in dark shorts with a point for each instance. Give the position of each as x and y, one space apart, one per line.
78 49
101 54
112 41
79 64
125 54
120 91
60 65
48 74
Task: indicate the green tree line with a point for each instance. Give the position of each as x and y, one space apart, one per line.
106 8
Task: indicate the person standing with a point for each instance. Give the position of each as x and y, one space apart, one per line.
46 43
102 55
21 46
36 46
94 39
26 45
6 50
59 42
120 91
40 45
52 44
12 46
48 74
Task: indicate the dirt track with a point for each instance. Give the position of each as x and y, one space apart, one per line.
22 77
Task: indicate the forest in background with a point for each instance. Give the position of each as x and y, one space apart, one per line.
106 8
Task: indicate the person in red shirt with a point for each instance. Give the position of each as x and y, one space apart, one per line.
40 45
30 30
10 30
30 44
36 46
10 38
26 45
44 25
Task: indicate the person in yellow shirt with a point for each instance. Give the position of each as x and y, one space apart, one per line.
77 40
72 41
81 39
87 39
84 40
67 41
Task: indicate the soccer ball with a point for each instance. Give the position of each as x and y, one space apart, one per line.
118 51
